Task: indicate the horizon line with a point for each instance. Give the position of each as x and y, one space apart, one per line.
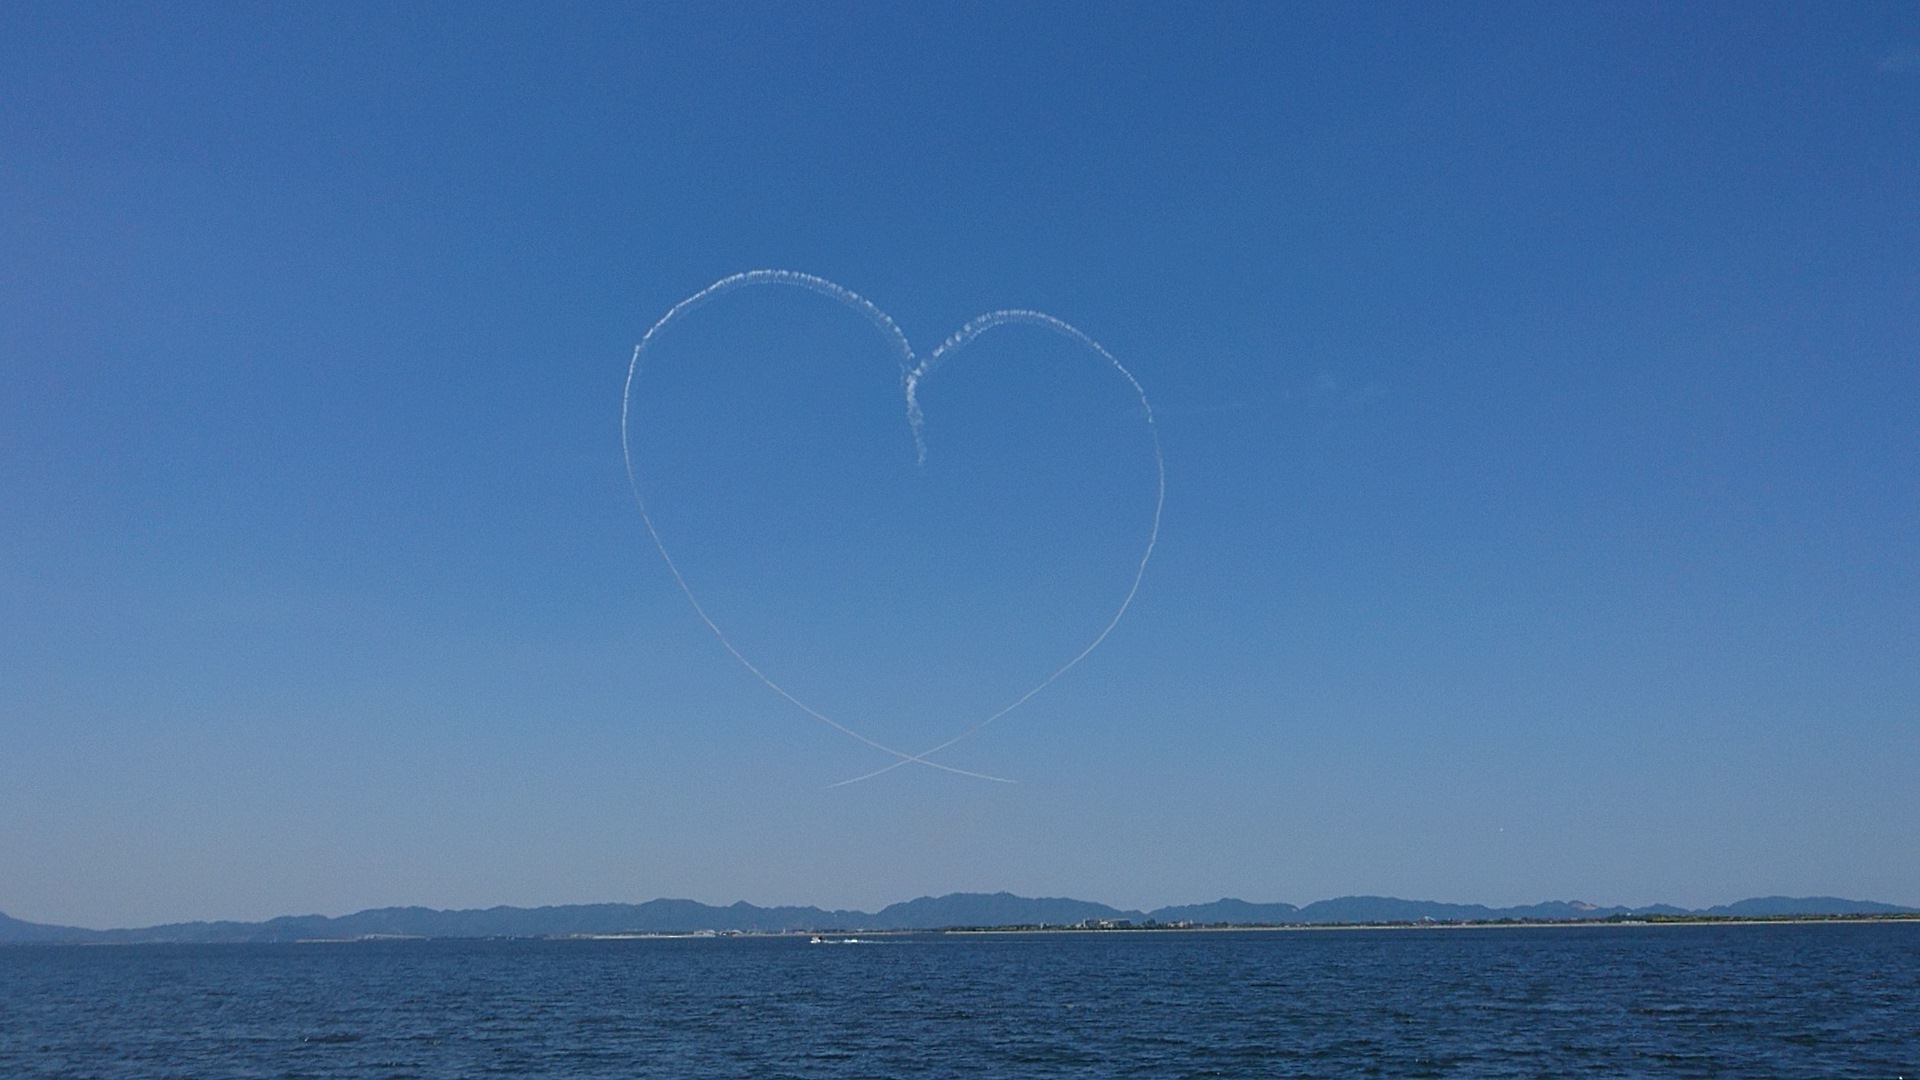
1575 903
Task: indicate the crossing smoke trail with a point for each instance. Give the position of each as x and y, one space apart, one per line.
913 371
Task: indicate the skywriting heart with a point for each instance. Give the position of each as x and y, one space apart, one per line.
914 370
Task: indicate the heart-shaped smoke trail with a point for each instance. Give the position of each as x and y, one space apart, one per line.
913 371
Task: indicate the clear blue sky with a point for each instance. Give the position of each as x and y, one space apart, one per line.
1539 389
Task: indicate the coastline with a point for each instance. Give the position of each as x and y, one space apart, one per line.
1490 924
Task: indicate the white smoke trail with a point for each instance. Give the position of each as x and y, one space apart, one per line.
727 284
913 371
959 340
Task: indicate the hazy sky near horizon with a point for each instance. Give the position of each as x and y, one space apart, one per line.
1539 389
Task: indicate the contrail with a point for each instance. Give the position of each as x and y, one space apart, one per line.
912 371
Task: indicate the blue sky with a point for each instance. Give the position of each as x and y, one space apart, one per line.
1537 388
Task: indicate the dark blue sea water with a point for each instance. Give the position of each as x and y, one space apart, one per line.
1809 1000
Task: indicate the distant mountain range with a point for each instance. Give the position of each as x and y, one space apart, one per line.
926 913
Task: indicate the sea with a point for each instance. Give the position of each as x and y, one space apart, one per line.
1757 1000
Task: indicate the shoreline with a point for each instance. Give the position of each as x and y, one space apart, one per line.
1489 924
841 934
